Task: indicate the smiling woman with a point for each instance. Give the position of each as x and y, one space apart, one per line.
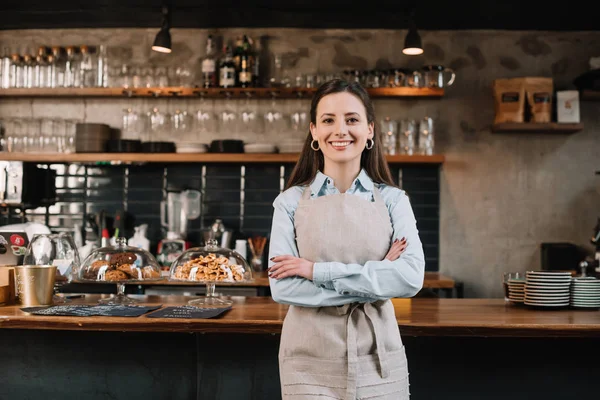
344 241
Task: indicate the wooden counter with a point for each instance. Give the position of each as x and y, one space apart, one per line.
416 317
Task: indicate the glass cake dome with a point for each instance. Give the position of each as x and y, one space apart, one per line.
120 264
211 265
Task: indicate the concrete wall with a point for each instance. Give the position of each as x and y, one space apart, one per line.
502 195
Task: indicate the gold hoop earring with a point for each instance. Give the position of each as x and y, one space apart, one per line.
312 145
372 144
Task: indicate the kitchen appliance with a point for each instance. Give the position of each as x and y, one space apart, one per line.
26 185
218 232
175 211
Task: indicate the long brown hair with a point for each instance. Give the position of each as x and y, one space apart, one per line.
310 161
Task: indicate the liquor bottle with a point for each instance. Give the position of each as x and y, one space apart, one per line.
245 70
255 62
227 69
209 65
238 49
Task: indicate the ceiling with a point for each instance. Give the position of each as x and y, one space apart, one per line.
349 14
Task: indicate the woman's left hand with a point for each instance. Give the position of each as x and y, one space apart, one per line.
286 266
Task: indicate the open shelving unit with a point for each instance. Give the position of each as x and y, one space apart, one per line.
139 158
529 127
282 93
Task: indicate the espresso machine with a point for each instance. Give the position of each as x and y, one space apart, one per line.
178 207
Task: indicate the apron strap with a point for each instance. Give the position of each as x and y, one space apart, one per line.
379 331
351 340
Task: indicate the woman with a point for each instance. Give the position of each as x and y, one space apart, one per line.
343 242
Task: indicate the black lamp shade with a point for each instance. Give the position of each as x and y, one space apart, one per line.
412 43
162 42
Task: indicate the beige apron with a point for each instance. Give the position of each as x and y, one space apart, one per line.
347 352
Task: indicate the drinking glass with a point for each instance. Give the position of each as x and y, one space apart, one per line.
408 133
206 122
57 249
228 124
273 117
426 142
389 131
248 119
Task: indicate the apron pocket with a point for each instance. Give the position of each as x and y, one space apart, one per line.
313 376
371 385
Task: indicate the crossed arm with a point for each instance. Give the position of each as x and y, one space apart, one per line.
298 281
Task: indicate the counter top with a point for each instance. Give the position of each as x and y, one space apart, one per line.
433 280
416 317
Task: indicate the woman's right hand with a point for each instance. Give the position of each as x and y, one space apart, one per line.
396 250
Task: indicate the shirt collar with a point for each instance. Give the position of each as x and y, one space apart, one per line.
318 182
321 179
365 180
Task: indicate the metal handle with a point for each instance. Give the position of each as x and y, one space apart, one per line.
452 76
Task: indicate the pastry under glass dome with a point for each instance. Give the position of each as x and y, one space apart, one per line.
210 265
119 264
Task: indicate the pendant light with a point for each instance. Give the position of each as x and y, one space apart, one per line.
162 41
412 42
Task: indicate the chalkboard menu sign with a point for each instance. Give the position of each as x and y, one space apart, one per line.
188 312
86 310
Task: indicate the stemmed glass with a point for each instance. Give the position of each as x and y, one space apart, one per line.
274 119
205 119
56 249
249 122
228 118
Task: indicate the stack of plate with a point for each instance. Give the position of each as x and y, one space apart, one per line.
516 290
585 292
547 288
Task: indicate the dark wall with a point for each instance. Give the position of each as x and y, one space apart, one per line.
86 190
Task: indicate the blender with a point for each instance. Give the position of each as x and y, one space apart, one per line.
175 211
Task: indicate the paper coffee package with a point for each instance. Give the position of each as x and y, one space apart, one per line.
509 100
567 106
539 92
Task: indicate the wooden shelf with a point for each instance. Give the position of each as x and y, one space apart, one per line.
528 127
137 158
590 95
208 93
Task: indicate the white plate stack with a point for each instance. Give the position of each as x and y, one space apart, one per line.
585 292
516 290
547 288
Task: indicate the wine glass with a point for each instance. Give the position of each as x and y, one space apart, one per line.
56 249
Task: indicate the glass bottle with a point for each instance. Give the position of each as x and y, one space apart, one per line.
245 68
5 68
209 65
72 72
16 71
101 66
59 67
227 69
28 68
87 67
49 71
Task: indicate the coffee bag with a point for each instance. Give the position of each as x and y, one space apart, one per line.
539 93
509 100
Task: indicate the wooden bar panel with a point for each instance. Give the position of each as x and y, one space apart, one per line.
416 317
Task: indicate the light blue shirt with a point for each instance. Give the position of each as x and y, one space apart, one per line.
336 283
